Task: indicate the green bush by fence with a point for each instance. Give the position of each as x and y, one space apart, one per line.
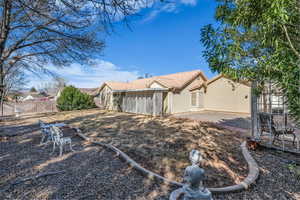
72 98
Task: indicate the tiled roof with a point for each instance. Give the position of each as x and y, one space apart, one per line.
175 81
90 91
205 84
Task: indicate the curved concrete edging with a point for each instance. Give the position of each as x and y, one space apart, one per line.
250 179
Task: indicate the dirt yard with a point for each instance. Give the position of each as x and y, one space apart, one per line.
158 144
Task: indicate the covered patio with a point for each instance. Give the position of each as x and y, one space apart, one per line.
149 101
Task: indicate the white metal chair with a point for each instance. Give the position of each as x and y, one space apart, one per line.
59 140
45 129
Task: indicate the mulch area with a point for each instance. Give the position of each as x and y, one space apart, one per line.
158 144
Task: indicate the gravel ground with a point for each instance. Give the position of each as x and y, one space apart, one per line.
95 173
90 173
278 180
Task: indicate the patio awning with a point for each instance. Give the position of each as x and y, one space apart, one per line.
143 90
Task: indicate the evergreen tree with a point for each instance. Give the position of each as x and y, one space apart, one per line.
72 98
33 89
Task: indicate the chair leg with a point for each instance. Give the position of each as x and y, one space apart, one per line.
271 141
60 150
282 140
275 137
48 138
43 137
53 148
52 137
71 147
294 139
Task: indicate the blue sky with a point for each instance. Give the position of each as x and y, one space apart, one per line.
163 39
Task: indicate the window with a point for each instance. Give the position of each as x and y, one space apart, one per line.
194 99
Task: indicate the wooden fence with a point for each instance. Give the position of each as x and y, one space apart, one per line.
29 107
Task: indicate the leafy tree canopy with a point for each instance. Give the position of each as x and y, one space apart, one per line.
257 40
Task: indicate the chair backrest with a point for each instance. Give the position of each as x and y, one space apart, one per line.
41 123
56 132
266 122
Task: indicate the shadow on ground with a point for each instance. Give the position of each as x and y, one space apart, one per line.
240 122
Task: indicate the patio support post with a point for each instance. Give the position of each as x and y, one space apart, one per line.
136 104
157 103
254 120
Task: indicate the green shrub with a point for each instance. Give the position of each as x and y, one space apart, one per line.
72 98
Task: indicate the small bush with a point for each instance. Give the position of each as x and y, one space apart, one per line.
72 98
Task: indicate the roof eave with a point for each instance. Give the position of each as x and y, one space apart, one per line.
191 80
156 81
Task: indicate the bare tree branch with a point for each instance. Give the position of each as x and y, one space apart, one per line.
35 33
290 42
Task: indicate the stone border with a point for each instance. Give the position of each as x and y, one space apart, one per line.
245 184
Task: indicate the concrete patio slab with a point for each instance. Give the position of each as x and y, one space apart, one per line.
236 120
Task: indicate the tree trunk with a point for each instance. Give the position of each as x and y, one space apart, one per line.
5 26
2 105
1 89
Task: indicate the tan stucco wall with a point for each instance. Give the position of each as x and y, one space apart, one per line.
181 102
106 98
222 96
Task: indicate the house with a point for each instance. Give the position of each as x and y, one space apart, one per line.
223 94
14 96
175 93
33 96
